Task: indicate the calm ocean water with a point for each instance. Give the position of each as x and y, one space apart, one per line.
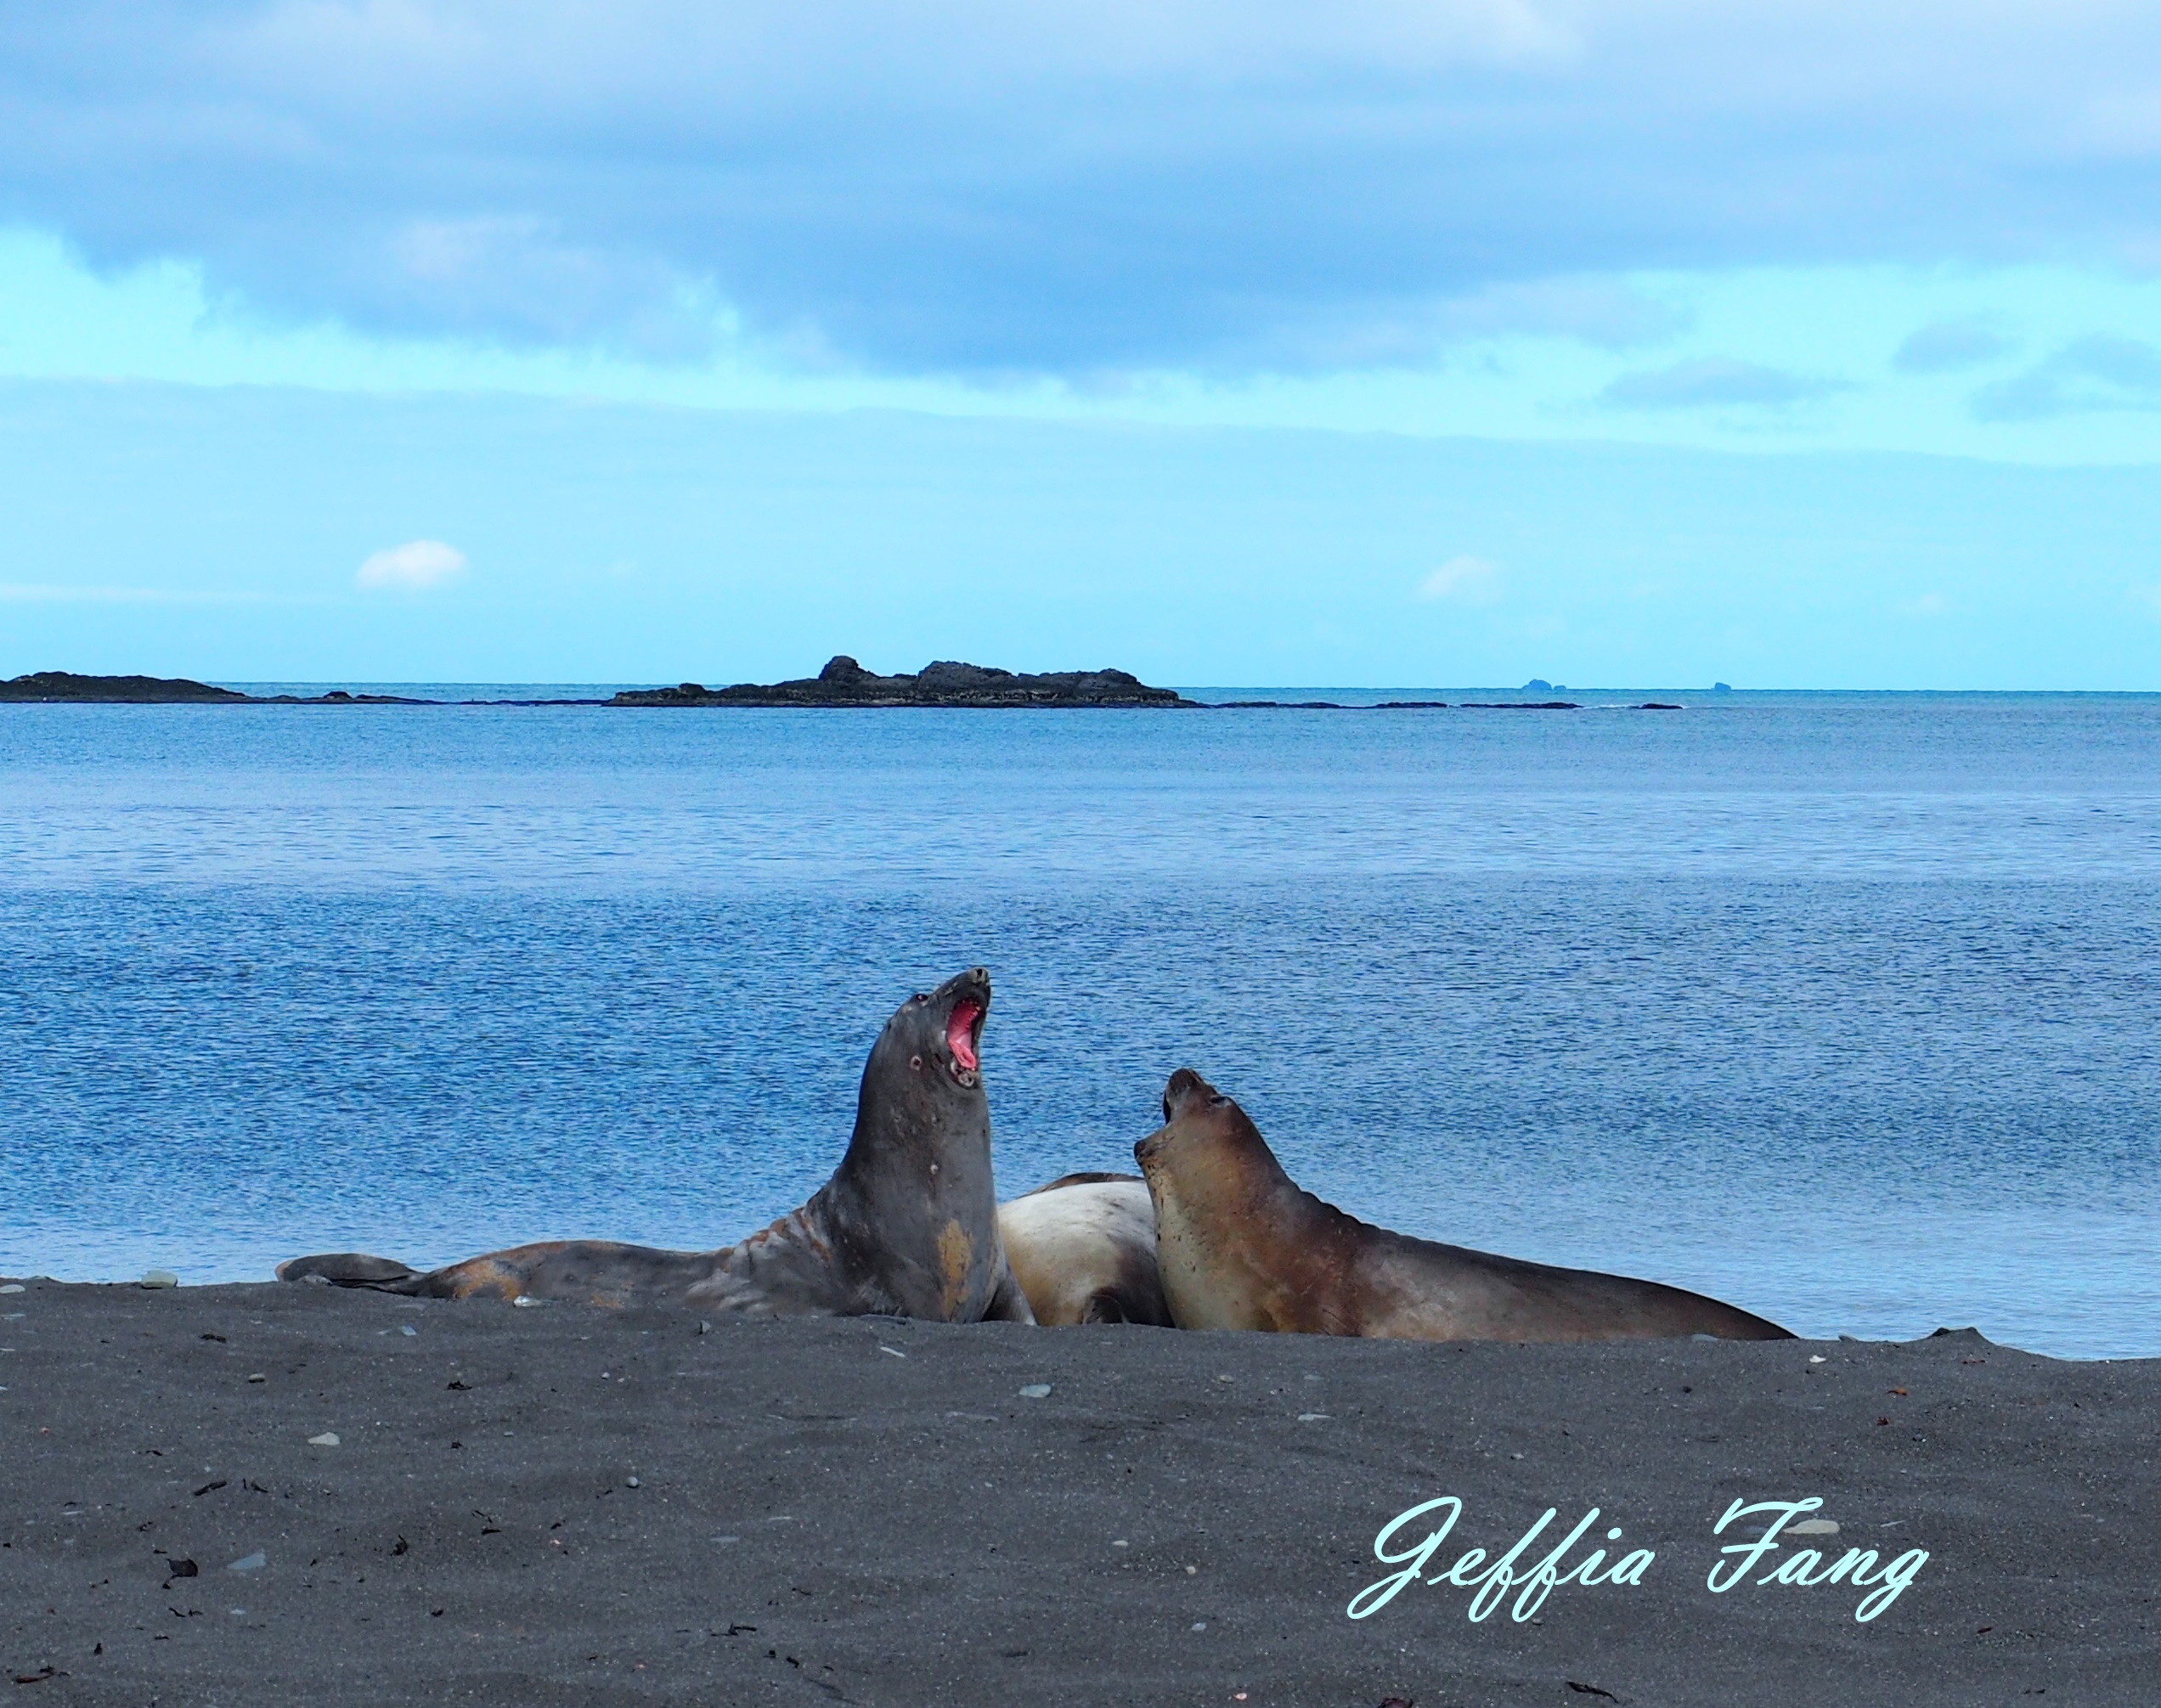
1845 1008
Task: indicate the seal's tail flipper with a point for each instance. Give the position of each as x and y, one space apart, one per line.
352 1269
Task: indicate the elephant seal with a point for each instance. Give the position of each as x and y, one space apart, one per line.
907 1226
1083 1249
1242 1247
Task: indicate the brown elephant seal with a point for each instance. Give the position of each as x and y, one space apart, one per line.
907 1226
1083 1249
1241 1247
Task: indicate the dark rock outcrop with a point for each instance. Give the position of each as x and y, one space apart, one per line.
843 682
338 696
65 687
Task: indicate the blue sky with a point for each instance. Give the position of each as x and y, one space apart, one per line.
1412 344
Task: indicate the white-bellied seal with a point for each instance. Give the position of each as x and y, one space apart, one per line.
1241 1247
1083 1249
907 1226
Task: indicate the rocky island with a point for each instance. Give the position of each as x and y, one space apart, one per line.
843 682
66 688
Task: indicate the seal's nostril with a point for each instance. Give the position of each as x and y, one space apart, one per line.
914 1064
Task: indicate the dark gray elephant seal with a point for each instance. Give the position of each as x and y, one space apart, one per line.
907 1226
1083 1249
1241 1247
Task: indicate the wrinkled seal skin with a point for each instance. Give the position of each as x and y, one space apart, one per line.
1242 1247
907 1226
1083 1249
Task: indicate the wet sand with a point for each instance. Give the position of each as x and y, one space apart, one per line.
563 1505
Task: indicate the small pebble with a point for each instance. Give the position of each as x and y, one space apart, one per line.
13 1287
1312 1416
1121 1542
1817 1358
160 1277
1200 1625
258 1377
525 1299
408 1330
327 1438
630 1482
1813 1527
1036 1391
704 1328
894 1350
253 1562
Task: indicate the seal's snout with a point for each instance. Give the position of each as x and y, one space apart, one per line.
1186 1088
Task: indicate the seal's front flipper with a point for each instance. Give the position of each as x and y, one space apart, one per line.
1008 1304
352 1269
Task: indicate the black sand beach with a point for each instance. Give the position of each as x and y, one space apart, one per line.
561 1505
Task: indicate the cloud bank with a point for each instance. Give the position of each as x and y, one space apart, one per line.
2097 372
1714 382
971 187
1947 347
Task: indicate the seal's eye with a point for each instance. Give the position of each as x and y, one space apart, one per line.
919 997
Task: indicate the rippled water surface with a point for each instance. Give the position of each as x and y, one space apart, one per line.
1842 1008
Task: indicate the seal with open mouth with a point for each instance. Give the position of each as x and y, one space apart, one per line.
1241 1247
907 1226
1083 1249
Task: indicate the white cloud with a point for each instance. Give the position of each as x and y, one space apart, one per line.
1464 581
414 566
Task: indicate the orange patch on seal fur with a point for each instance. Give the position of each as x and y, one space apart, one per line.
955 1249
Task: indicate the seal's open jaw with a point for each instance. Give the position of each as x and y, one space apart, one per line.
968 999
963 1032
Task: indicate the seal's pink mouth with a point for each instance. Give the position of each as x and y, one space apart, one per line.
960 1032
